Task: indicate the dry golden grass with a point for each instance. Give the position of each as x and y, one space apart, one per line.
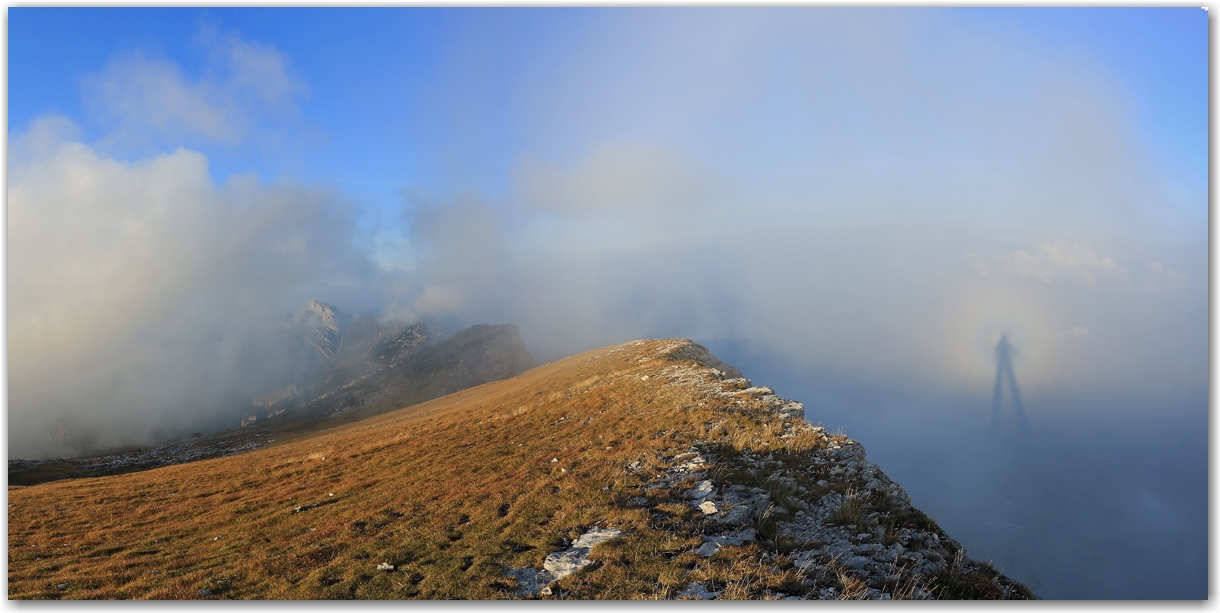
451 492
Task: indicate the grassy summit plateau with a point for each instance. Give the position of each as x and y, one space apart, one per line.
644 470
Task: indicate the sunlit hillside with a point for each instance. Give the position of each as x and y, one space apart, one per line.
644 470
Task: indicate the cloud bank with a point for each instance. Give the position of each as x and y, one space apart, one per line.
142 296
874 197
881 196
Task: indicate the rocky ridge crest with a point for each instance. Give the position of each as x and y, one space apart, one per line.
816 503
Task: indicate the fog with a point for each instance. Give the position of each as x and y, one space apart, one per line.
852 211
144 300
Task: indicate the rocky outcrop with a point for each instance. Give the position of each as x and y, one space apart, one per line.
810 498
817 498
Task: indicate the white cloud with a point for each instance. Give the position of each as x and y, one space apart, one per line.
1172 273
252 66
1164 278
1051 260
149 99
141 295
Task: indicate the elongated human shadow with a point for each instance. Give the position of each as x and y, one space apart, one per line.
1003 356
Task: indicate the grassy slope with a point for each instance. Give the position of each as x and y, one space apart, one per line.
451 492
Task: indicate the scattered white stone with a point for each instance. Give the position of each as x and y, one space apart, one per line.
61 586
561 563
703 489
697 591
733 539
530 581
597 536
553 460
738 506
564 563
385 566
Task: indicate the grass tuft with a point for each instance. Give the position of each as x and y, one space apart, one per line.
850 511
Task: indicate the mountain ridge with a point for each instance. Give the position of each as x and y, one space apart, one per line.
370 366
643 470
392 365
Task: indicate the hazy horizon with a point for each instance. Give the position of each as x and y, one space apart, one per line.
854 204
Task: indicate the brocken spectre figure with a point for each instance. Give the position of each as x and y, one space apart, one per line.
1003 357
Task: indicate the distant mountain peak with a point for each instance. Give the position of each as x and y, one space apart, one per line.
321 324
327 315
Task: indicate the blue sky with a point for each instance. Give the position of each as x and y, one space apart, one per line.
376 77
1158 54
371 73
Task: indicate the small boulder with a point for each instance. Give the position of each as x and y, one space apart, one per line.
702 489
697 591
596 536
857 562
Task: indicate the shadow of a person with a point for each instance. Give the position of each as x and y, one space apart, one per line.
1004 351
